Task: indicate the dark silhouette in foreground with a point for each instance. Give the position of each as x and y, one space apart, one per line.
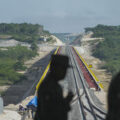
51 103
114 99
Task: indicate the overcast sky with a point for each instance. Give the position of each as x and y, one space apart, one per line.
61 15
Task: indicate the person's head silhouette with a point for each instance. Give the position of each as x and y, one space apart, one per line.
58 66
114 99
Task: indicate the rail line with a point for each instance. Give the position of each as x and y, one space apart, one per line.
88 110
87 74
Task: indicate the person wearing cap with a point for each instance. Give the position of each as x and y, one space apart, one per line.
51 103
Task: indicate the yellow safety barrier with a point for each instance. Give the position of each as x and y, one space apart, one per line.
45 72
91 72
90 66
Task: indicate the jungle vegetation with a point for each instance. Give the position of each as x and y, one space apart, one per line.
11 61
23 32
109 49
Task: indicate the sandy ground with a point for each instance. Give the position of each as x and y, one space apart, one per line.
58 41
88 37
12 42
10 115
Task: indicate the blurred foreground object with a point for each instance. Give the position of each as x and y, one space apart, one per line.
51 103
114 99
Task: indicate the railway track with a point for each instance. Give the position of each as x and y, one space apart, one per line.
88 110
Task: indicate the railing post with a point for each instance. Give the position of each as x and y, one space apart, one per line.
1 105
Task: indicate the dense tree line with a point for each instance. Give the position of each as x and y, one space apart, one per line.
23 32
104 30
11 60
24 28
109 49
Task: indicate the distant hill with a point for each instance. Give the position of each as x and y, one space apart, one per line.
66 37
23 32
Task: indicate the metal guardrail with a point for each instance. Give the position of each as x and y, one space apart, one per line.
93 108
90 71
45 72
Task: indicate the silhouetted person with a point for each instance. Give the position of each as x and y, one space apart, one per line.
114 99
51 103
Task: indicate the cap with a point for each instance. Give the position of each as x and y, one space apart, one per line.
60 60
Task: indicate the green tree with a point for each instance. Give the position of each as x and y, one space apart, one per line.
108 50
34 46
